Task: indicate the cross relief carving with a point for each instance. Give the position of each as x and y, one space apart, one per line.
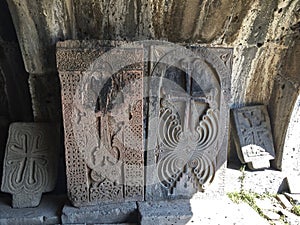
132 146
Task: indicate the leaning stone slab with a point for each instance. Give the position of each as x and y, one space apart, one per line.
165 212
253 136
30 162
100 214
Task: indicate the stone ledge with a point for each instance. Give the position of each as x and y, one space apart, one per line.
48 212
100 214
165 212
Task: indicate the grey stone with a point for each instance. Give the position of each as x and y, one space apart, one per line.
254 136
102 99
100 214
165 212
30 162
188 119
48 212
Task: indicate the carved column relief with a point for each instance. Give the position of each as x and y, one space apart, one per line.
255 142
103 122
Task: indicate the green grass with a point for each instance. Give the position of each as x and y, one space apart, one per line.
296 210
247 197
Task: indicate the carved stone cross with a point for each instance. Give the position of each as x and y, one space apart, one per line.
189 98
253 136
30 162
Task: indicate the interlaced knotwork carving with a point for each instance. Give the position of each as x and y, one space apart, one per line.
103 126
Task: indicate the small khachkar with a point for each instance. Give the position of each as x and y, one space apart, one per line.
30 162
254 141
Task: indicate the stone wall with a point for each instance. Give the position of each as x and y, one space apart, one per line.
263 34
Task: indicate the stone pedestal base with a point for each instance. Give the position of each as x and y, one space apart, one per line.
165 212
100 214
22 200
48 212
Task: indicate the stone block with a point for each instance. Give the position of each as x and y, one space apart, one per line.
165 212
48 212
100 214
254 136
30 162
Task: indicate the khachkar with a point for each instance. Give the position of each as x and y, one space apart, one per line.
254 136
103 121
188 121
184 107
30 163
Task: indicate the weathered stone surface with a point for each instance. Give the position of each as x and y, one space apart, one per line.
254 136
165 212
48 212
188 119
45 92
18 103
30 162
263 35
100 214
291 151
103 121
286 90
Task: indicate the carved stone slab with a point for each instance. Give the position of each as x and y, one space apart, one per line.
254 141
102 102
188 120
30 163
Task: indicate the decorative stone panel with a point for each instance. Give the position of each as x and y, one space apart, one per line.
30 163
188 120
254 137
103 121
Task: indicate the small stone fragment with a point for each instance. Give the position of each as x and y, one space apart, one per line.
30 162
254 136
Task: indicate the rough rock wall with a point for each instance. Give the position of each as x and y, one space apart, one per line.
262 33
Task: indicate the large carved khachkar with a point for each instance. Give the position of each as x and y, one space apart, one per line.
30 163
103 121
184 107
254 141
188 120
